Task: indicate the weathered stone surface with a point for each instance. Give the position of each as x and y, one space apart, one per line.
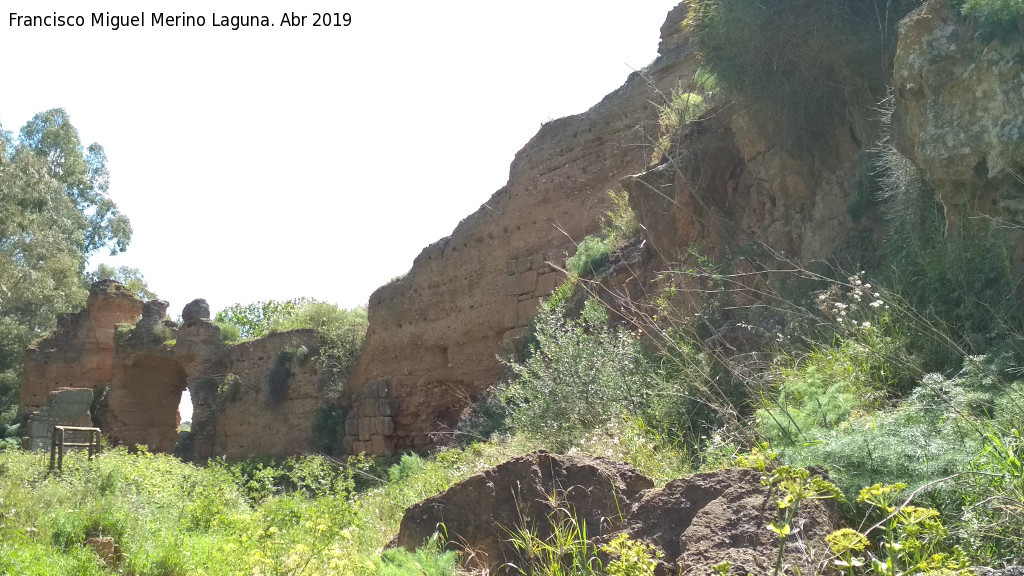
435 333
234 413
197 309
80 353
697 521
672 33
704 519
64 407
958 115
726 184
479 512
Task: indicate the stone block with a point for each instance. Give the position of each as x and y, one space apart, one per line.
386 407
379 389
382 426
510 313
352 424
519 284
382 446
511 336
527 310
364 429
546 283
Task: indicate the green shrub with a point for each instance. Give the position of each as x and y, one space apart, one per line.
407 466
583 374
485 418
955 291
935 432
421 562
565 549
994 496
631 558
580 375
801 61
591 254
680 108
341 334
994 16
619 224
229 333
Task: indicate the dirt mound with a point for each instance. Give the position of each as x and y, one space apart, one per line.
479 513
697 522
705 519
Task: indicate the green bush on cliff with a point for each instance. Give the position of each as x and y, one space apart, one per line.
994 16
804 59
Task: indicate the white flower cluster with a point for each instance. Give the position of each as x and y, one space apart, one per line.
842 305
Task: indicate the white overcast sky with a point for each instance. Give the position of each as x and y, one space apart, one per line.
283 162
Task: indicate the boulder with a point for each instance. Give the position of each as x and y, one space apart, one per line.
479 514
705 519
195 310
695 522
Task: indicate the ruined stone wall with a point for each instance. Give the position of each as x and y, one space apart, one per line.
434 333
80 352
143 373
245 414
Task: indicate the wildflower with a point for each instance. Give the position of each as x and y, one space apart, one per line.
877 303
866 325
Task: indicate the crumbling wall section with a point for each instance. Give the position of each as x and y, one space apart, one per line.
80 352
264 402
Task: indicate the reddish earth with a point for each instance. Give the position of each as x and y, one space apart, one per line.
695 522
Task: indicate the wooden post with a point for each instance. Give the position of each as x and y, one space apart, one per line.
53 446
60 447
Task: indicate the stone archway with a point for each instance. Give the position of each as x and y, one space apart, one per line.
142 402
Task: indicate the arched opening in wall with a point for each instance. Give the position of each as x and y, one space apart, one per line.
144 398
185 411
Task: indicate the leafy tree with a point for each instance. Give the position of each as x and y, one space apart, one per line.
54 214
256 320
49 135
